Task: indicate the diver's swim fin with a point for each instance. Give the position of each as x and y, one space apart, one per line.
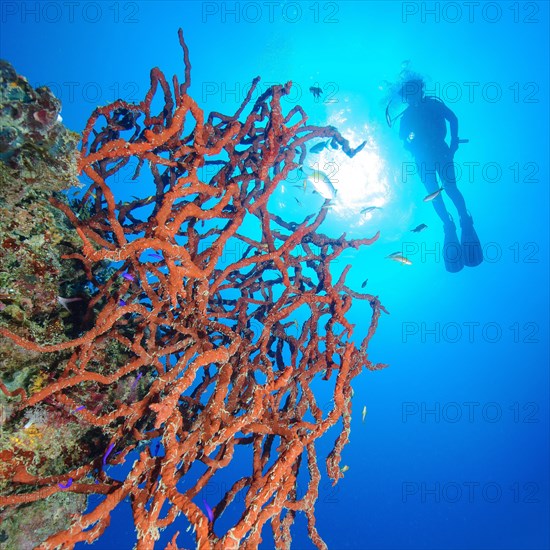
452 249
471 247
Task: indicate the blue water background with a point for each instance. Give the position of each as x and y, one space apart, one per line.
454 450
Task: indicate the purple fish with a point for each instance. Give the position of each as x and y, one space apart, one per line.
136 380
80 408
67 485
107 453
128 276
209 511
121 303
156 256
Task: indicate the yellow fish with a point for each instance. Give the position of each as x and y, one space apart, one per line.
400 259
344 469
321 183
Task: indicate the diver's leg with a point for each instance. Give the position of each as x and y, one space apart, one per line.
452 251
427 170
471 247
447 175
441 210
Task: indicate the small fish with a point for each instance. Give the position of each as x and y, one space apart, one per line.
128 276
419 228
316 91
64 302
433 195
319 147
364 283
121 303
156 256
209 511
322 184
364 413
107 453
344 469
67 485
80 408
400 259
370 209
398 253
299 203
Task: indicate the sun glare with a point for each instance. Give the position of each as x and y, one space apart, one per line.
361 182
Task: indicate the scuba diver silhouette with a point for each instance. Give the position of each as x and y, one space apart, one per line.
423 130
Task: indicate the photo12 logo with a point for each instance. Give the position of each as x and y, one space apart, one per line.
473 172
236 92
452 492
470 12
95 93
453 332
270 12
70 12
425 252
470 412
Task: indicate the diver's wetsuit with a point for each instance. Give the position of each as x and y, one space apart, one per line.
423 132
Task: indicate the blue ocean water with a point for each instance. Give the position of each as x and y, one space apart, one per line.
454 450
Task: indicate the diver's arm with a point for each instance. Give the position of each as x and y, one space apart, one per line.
453 123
